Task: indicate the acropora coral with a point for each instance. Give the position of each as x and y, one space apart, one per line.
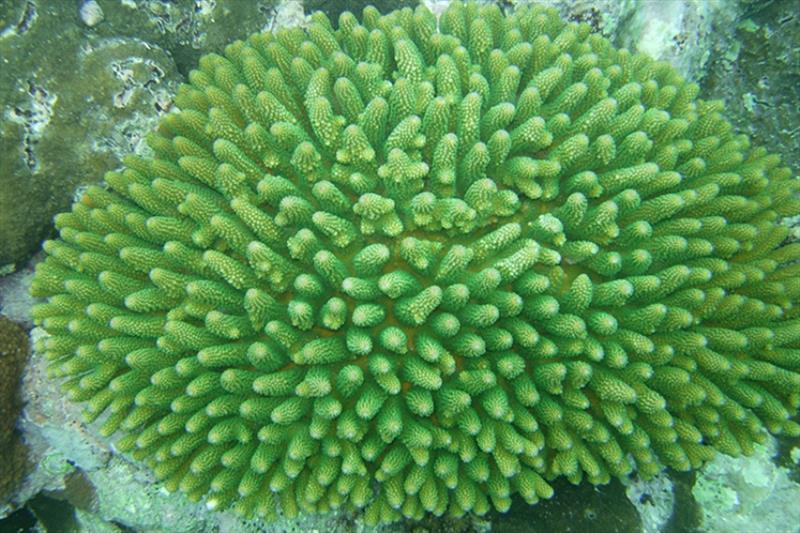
414 267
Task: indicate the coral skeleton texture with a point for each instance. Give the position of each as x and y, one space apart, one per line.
412 267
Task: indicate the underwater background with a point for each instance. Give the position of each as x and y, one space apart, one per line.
83 82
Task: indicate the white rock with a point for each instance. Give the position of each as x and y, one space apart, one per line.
91 13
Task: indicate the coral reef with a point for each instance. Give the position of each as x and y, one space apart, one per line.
13 355
409 270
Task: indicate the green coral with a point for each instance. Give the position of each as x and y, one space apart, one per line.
414 270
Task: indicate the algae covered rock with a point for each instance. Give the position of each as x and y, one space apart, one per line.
14 352
748 494
70 107
185 28
75 97
759 74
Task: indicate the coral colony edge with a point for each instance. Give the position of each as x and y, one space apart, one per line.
412 268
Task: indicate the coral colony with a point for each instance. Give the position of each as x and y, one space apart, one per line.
414 268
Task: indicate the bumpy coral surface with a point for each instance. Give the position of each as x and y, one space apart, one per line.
417 269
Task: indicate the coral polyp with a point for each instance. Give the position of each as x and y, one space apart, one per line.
414 266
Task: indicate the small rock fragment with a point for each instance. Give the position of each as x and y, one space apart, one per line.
91 13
